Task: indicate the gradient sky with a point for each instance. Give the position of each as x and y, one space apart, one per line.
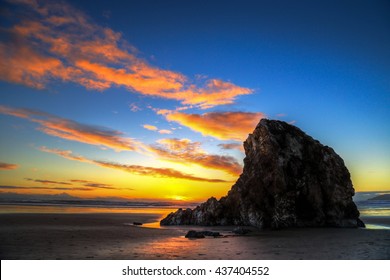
153 99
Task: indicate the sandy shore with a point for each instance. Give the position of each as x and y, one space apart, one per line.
111 236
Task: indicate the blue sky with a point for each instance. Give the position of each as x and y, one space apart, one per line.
323 66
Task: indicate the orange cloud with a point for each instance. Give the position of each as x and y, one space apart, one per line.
221 125
21 65
146 80
154 128
8 166
150 127
215 92
74 131
188 152
133 169
58 42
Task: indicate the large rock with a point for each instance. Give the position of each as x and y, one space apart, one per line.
289 180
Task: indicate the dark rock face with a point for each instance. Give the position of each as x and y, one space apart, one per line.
289 180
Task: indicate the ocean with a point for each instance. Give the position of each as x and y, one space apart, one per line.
374 208
376 214
79 209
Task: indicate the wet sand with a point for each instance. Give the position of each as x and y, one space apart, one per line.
112 236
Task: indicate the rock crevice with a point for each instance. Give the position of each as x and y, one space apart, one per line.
289 180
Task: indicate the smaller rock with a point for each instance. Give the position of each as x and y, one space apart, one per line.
241 231
137 223
202 234
194 234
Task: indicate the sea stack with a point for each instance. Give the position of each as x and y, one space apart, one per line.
289 180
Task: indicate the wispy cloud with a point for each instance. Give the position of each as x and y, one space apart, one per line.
95 185
165 131
46 188
72 130
47 182
8 166
90 185
156 172
65 154
76 180
188 152
57 42
155 128
133 169
221 125
231 146
134 107
99 186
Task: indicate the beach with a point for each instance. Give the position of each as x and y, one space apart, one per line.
104 236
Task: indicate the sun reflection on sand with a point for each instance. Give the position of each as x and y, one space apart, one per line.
153 224
176 246
183 248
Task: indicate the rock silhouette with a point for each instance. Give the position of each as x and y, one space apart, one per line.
289 180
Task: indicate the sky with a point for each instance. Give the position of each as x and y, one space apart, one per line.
151 100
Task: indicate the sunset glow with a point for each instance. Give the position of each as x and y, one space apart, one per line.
153 104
